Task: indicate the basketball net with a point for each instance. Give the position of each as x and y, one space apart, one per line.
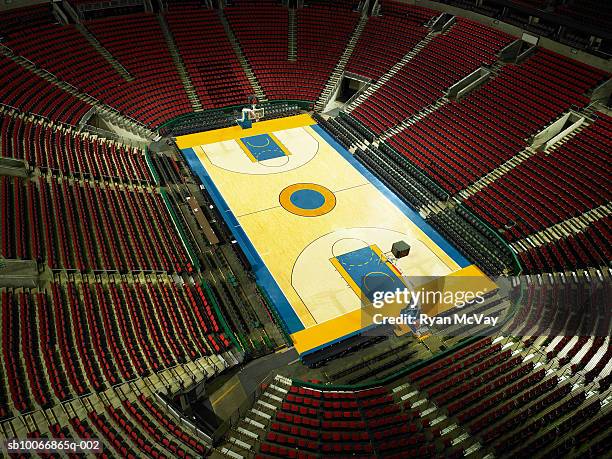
251 114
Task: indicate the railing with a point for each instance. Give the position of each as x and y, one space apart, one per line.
517 267
181 420
6 50
101 5
152 169
220 315
114 136
358 93
356 76
242 410
277 318
10 107
179 227
421 175
90 129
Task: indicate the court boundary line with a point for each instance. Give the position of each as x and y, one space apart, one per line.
260 163
412 215
245 148
263 275
351 282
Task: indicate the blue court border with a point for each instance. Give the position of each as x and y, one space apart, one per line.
414 217
263 276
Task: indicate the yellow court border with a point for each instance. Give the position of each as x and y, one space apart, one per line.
236 132
323 333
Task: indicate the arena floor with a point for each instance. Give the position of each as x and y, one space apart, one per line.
314 223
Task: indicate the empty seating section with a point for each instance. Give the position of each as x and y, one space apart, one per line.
499 392
587 12
16 20
137 42
61 149
132 428
387 38
141 421
65 52
20 230
442 62
211 62
583 345
89 227
11 356
462 141
148 406
587 248
483 384
406 10
28 92
126 438
310 422
261 27
120 311
92 335
551 186
323 31
330 24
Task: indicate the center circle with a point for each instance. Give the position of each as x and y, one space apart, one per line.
307 199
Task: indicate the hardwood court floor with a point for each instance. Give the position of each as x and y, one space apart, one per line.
296 212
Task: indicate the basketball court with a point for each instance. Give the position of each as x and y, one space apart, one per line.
315 224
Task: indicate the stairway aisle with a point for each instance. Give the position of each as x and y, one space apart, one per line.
180 65
246 67
336 77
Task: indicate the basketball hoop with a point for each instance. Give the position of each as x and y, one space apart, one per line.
249 115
